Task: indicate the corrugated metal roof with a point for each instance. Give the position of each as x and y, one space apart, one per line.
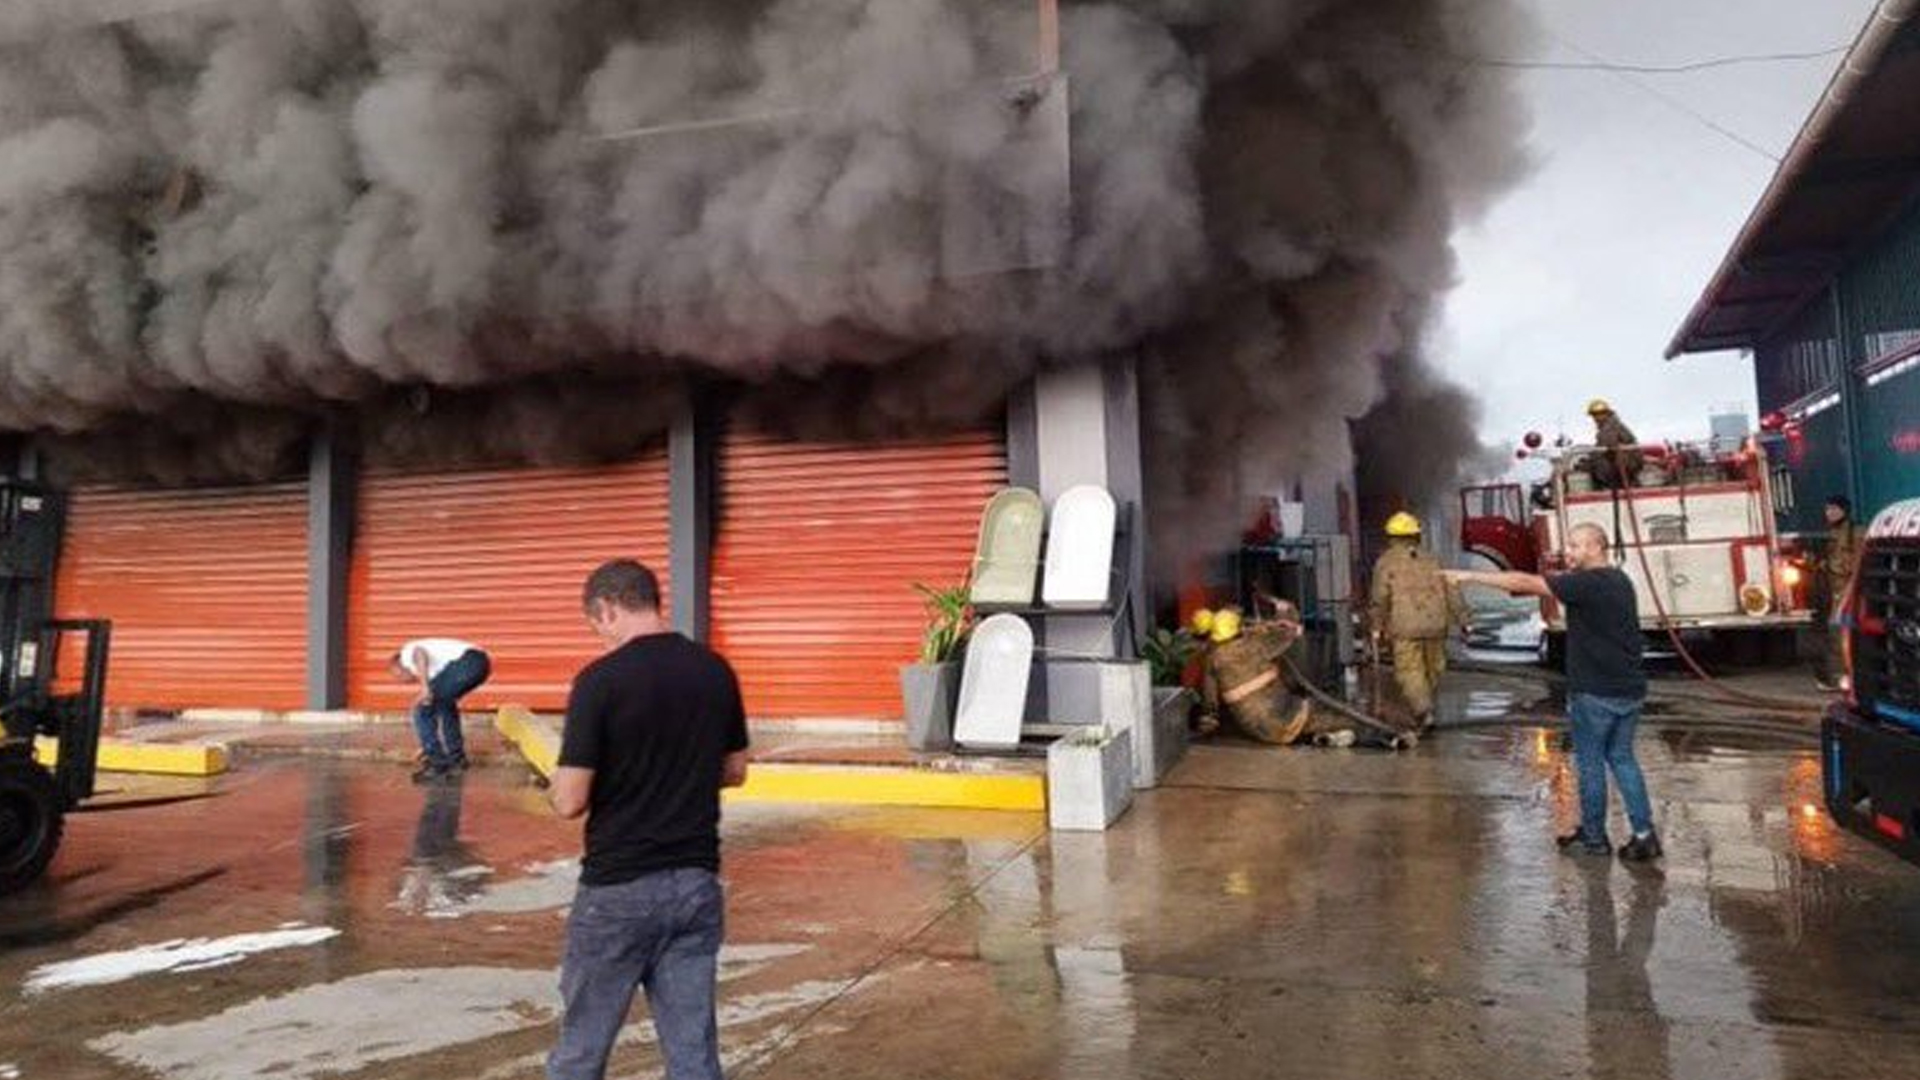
1854 166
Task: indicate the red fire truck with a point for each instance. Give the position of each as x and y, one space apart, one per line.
1694 530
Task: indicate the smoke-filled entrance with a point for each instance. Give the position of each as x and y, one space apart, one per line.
222 220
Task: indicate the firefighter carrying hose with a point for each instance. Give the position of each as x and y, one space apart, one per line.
1414 607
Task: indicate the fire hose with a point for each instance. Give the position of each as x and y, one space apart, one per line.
1732 694
1399 738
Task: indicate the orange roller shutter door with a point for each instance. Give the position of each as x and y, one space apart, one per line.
816 555
496 558
206 588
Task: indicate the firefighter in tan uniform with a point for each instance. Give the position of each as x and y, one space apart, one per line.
1414 607
1619 464
1837 563
1243 680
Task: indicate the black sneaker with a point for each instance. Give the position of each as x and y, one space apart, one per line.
457 765
429 774
1642 849
1579 843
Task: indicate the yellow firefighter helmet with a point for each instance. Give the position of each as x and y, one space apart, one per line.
1403 525
1226 626
1201 622
1598 407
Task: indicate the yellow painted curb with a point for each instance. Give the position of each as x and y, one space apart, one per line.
844 785
867 786
537 742
163 759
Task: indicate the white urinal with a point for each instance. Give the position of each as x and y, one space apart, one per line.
993 684
1080 550
1006 562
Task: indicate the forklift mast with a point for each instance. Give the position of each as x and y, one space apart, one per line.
34 701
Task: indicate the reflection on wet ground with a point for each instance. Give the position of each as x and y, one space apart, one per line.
1266 913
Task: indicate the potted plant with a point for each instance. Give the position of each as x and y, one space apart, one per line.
1168 654
930 686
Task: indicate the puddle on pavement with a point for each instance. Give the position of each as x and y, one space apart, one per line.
343 1026
1483 705
196 954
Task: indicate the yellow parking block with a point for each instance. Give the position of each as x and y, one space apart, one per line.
875 786
163 759
538 741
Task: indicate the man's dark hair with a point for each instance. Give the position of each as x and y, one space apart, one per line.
1841 503
625 584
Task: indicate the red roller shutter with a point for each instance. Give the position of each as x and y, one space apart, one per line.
817 553
207 590
496 558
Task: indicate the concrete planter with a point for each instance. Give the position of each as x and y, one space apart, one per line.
1172 710
1089 779
928 692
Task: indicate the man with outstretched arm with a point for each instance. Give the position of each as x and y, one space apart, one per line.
1606 686
655 728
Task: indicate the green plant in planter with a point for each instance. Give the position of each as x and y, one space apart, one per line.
949 621
1167 653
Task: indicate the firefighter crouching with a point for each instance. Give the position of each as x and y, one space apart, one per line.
1617 466
1244 680
1414 608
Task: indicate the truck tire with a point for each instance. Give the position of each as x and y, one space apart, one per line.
31 820
1553 650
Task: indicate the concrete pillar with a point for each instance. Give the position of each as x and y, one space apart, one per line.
1126 478
1085 425
1023 439
693 450
333 478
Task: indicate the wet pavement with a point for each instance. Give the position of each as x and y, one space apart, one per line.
1267 913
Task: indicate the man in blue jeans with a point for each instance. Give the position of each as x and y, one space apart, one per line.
446 670
655 728
1606 686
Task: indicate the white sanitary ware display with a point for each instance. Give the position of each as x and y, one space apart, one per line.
993 684
1080 549
1006 562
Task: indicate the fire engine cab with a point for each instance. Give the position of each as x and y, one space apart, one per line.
1694 529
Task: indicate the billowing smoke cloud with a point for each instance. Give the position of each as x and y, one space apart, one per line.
223 219
1419 441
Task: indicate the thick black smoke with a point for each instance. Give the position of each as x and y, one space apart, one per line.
223 221
1419 441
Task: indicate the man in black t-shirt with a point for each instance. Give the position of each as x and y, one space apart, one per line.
1606 686
655 728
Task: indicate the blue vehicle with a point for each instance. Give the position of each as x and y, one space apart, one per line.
1870 742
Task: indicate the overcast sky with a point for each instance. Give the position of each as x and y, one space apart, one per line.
1572 287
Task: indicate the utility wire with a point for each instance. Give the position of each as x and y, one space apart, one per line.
1640 83
1617 68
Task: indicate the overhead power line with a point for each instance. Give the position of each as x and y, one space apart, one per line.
1640 83
1619 68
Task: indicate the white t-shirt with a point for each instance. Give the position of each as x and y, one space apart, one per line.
440 651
